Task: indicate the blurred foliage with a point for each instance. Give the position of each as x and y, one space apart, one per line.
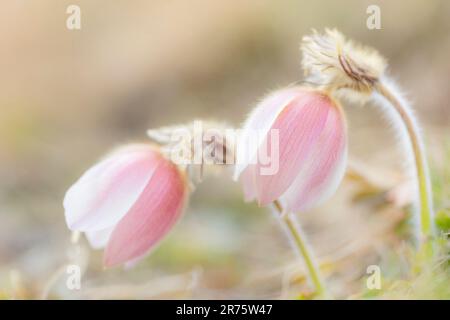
443 220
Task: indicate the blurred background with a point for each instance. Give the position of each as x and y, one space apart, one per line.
69 96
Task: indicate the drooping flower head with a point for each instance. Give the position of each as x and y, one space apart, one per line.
346 69
311 149
127 202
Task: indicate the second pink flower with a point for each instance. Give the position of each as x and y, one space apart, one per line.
311 149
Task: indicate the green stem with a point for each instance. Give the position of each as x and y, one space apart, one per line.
303 248
423 179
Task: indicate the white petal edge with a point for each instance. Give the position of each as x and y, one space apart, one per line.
83 210
258 125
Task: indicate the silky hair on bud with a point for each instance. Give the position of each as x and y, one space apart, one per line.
332 62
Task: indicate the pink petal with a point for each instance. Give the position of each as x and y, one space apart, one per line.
258 124
299 126
102 196
99 238
324 168
151 217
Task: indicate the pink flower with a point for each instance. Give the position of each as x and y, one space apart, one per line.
127 203
311 149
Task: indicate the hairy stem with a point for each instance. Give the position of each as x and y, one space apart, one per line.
299 240
421 168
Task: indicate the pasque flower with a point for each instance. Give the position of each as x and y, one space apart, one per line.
303 130
127 202
311 149
131 199
346 69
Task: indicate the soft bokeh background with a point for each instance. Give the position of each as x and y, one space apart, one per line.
67 97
